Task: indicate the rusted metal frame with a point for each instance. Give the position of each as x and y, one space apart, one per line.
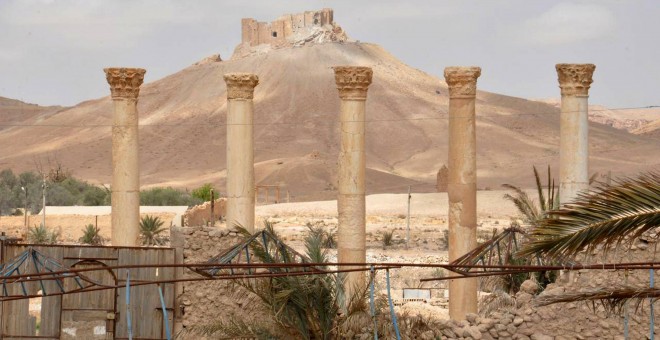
472 257
472 275
247 258
90 258
610 266
226 277
72 246
57 280
30 336
467 258
10 269
36 268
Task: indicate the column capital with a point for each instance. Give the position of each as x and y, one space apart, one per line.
462 81
124 82
241 85
353 81
575 79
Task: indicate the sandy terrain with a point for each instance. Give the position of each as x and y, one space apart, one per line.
69 226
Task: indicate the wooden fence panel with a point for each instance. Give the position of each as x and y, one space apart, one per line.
146 314
92 315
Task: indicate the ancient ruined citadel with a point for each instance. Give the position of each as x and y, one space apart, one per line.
288 30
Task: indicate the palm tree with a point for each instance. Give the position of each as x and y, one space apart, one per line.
606 215
91 236
531 211
150 228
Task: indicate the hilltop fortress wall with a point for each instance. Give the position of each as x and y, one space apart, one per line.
276 33
289 30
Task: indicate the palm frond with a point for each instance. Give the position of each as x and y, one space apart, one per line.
607 216
496 301
539 188
612 299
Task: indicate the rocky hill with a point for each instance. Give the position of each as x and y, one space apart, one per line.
183 136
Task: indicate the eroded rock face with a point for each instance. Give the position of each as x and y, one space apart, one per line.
289 30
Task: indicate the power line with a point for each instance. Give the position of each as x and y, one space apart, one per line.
316 124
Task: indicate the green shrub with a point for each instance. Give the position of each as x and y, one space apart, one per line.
150 229
167 196
204 192
41 235
91 235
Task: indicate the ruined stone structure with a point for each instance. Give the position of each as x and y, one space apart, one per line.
200 215
352 84
125 88
442 179
574 81
289 30
462 182
240 149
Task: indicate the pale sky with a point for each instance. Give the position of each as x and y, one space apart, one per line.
53 52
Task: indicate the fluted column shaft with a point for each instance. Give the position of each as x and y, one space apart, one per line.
240 149
574 81
462 182
125 89
352 84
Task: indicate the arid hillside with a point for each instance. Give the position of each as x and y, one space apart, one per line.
15 113
183 136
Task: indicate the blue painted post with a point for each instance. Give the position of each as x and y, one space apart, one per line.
625 318
389 299
128 305
168 335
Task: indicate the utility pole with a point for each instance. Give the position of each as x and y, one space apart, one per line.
408 219
26 208
212 208
44 186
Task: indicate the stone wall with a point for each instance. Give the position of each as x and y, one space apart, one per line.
202 302
200 215
276 33
289 30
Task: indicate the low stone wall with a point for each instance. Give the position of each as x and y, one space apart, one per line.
202 302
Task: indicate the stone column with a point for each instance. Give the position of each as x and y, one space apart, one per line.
574 81
352 83
462 182
125 88
240 149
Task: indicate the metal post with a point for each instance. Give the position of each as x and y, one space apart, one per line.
44 186
212 208
408 219
26 208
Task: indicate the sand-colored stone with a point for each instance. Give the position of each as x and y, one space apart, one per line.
462 182
574 81
200 215
125 89
442 179
352 84
240 149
